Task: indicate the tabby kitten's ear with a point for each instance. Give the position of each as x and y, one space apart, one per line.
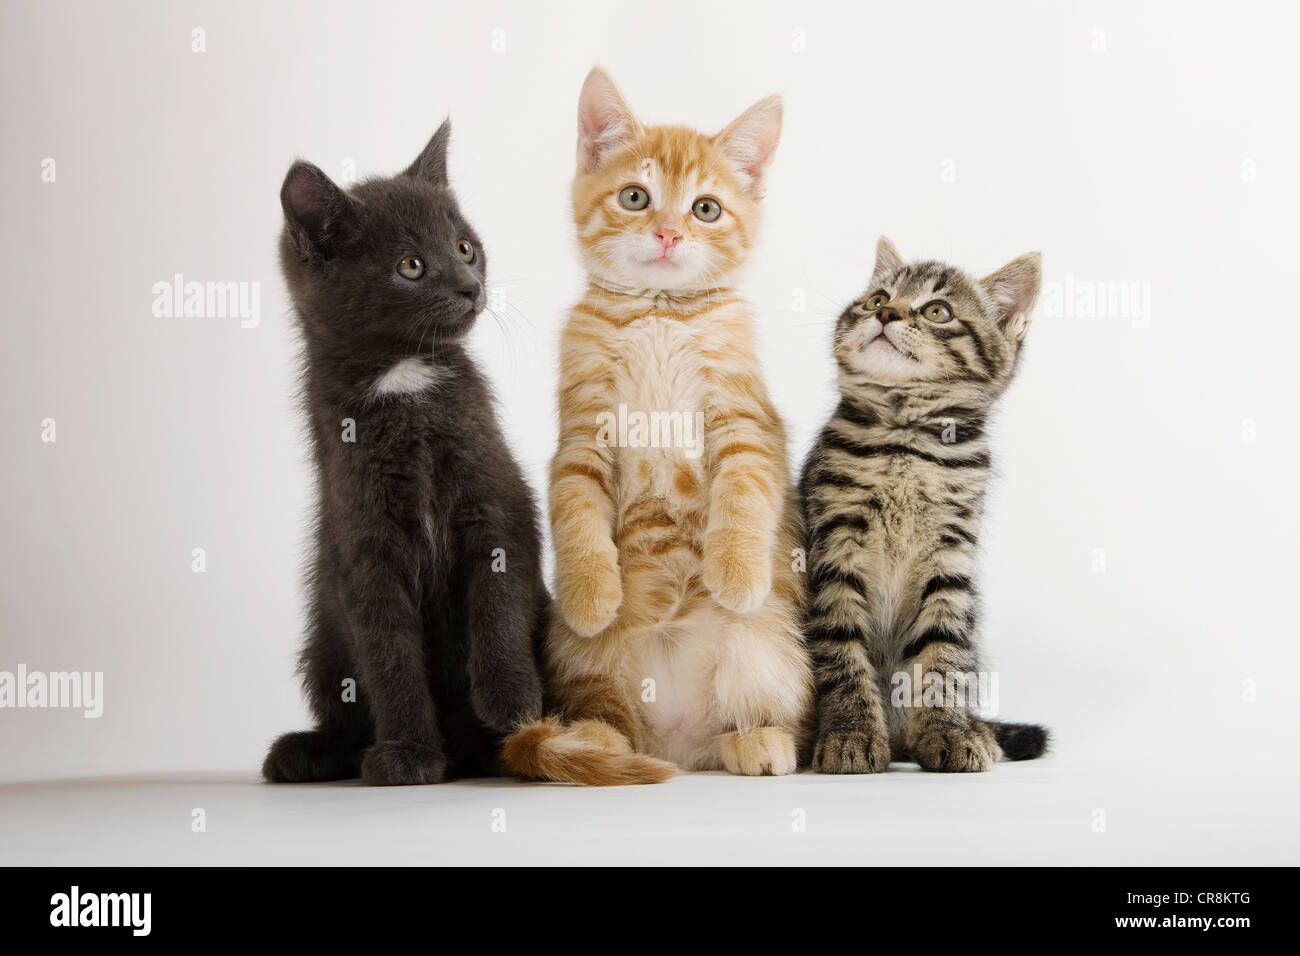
317 211
1014 290
750 140
888 261
604 120
431 164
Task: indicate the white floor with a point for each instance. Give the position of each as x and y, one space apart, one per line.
1041 812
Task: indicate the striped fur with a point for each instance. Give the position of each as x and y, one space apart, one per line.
893 494
678 630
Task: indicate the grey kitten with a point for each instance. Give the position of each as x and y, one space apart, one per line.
426 583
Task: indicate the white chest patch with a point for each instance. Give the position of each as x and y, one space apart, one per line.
410 375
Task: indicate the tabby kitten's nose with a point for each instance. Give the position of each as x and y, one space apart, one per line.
887 314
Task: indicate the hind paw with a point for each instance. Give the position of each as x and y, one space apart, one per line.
761 752
312 755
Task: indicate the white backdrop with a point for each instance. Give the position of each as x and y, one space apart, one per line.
1139 549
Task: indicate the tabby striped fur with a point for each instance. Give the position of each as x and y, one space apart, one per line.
893 493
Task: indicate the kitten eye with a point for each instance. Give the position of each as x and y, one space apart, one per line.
876 301
633 197
410 267
465 249
937 312
707 209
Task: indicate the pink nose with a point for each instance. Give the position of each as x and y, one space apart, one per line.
668 238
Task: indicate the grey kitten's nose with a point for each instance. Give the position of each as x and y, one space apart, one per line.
469 291
887 314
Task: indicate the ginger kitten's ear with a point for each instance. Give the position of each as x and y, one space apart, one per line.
888 261
604 120
431 164
750 140
1014 290
315 209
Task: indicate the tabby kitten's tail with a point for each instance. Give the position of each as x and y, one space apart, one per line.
1020 741
589 752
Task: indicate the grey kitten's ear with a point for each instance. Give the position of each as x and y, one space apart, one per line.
888 261
1014 290
316 210
604 120
750 141
431 164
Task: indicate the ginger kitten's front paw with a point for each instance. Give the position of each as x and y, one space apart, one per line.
851 751
761 752
960 749
737 570
591 591
399 763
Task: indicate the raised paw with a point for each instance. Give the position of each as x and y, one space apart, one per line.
399 763
851 751
312 755
954 749
591 591
761 752
737 570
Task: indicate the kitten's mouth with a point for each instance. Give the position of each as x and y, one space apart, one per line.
883 345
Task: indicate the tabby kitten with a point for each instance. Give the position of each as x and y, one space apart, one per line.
426 591
893 493
678 633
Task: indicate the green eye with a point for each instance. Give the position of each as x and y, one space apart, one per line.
707 209
410 267
465 249
876 301
937 312
633 197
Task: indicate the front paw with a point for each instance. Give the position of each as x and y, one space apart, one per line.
591 591
851 751
400 763
953 749
737 570
761 752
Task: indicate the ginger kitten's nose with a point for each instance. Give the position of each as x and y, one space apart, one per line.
667 237
887 314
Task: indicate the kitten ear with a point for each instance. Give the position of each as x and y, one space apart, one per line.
888 260
1014 290
431 164
751 139
316 210
604 120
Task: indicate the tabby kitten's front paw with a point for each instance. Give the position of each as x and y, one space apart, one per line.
962 749
399 763
591 591
737 570
851 751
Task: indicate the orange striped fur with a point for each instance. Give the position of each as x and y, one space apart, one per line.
678 596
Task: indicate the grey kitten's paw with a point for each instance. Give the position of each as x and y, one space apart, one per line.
955 749
311 755
851 751
509 701
398 763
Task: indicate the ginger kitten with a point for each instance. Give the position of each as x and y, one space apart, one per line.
893 493
673 516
